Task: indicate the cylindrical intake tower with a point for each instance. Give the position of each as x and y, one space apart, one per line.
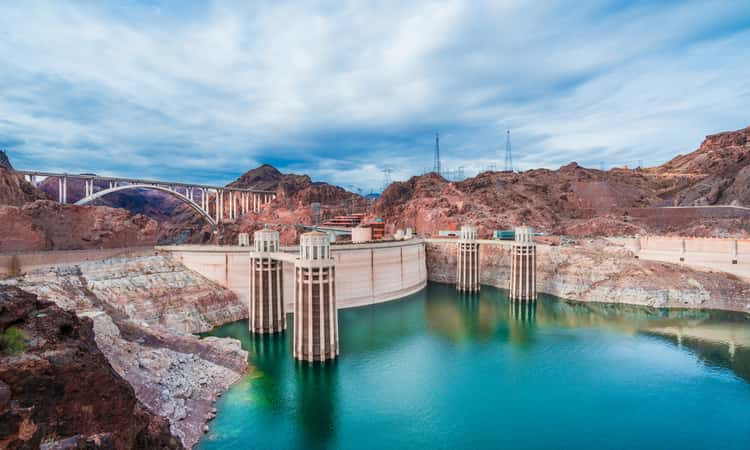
523 265
316 325
266 285
467 278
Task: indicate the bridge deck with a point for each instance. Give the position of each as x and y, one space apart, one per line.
84 176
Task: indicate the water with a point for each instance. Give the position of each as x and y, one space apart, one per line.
439 370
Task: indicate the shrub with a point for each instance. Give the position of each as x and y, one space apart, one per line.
13 340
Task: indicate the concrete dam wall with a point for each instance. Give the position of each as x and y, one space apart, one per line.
365 273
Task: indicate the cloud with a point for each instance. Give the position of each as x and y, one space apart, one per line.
204 91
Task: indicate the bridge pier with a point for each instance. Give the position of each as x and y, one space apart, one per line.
467 279
231 205
316 329
88 187
266 285
62 189
523 265
218 206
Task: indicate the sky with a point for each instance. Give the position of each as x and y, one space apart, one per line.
204 91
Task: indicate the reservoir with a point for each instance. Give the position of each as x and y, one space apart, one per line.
444 370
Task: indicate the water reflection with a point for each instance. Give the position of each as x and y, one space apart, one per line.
316 402
719 338
268 353
371 330
462 317
522 322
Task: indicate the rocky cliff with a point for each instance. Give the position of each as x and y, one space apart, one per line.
14 190
582 202
57 389
549 200
602 273
4 161
143 310
48 225
718 172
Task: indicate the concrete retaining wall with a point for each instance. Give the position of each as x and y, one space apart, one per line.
700 253
365 273
18 263
684 215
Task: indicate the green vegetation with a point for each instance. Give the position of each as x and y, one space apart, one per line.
13 341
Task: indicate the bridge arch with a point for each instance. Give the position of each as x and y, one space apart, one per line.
177 195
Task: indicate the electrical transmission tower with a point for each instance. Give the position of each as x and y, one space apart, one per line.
508 153
436 167
386 177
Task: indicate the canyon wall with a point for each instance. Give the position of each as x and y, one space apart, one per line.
601 273
143 311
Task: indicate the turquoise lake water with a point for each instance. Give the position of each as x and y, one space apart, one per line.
440 370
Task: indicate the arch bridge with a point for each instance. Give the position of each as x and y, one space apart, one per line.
215 203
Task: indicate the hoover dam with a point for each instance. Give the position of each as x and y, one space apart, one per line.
355 225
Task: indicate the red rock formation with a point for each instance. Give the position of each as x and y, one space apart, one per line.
14 190
28 221
61 391
143 309
265 177
48 225
543 198
716 173
4 161
292 207
579 201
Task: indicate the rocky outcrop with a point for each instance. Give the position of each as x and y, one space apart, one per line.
59 391
4 161
546 199
718 172
144 310
292 207
265 177
48 225
14 190
299 190
603 274
177 376
580 201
